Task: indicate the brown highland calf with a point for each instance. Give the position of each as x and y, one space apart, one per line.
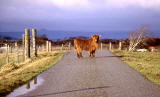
89 45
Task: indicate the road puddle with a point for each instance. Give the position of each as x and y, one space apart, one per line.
26 88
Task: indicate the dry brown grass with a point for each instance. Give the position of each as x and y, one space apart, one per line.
13 75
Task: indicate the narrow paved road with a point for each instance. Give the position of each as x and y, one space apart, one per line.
102 76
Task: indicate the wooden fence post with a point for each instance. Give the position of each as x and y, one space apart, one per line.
101 45
110 46
47 46
7 56
120 45
17 53
50 46
23 47
28 85
69 45
62 47
34 34
27 44
10 49
35 80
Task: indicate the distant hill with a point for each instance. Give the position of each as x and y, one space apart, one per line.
11 35
64 35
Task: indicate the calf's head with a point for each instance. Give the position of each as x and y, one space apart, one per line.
95 38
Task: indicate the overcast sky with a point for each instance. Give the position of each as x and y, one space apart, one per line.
79 15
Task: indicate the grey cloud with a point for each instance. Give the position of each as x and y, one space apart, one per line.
18 14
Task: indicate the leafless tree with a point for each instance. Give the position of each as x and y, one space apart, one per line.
136 37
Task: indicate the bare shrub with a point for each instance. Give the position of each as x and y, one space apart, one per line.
136 37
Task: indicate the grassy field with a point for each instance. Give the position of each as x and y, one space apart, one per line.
13 75
147 63
12 58
2 59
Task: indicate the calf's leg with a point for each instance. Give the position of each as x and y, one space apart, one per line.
93 53
89 53
80 53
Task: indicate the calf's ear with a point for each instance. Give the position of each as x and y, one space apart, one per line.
92 36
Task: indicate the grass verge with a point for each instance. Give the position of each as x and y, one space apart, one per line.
147 63
12 58
13 75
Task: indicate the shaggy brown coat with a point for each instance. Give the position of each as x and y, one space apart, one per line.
89 45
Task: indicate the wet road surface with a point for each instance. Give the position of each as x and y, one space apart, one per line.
102 76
